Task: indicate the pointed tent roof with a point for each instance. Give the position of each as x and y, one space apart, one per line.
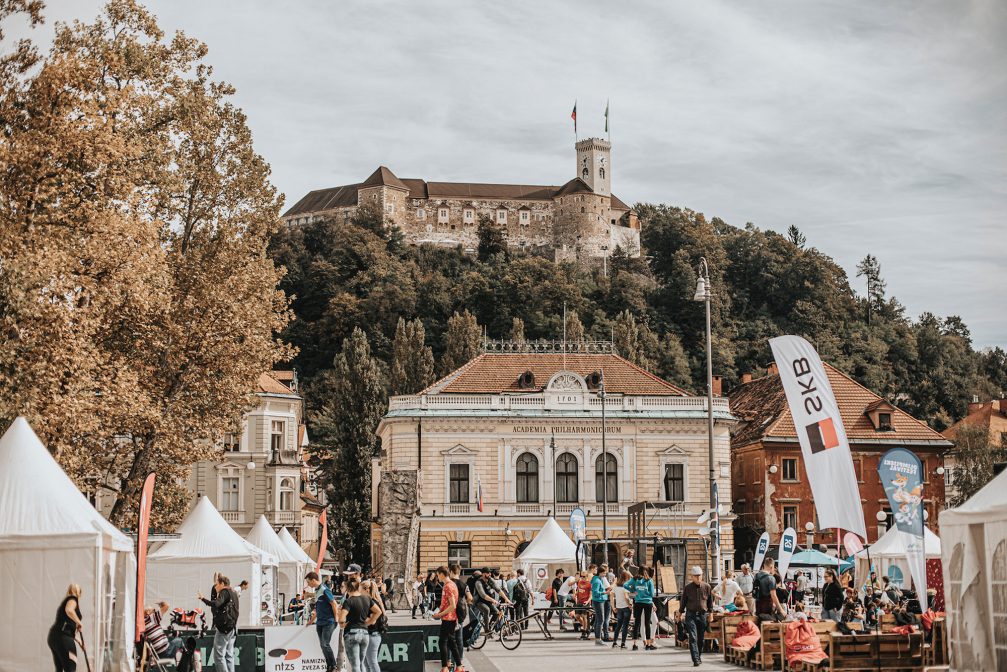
262 535
382 177
294 548
987 505
205 534
550 546
58 508
892 544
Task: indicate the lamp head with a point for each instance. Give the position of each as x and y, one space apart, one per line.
251 465
702 290
881 516
809 526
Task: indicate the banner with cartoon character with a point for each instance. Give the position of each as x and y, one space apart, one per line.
901 474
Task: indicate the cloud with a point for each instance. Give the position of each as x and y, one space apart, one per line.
875 127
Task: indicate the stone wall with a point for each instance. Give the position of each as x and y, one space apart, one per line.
397 496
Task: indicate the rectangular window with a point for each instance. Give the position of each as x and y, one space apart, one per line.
229 494
459 484
442 215
858 467
502 216
949 478
790 469
470 216
524 215
674 482
790 517
278 430
884 422
231 443
421 214
460 553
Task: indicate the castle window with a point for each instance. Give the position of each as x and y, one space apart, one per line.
470 215
524 216
502 216
389 208
442 215
421 214
582 209
601 172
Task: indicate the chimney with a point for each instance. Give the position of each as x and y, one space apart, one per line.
746 378
771 370
718 386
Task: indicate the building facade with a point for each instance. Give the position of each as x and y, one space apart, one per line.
580 219
262 469
990 415
770 488
524 431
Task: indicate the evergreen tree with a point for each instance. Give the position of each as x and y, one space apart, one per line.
626 337
870 269
517 330
412 360
353 400
463 341
795 236
574 328
672 362
492 238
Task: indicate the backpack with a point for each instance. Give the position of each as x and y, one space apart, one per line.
757 586
229 613
520 592
461 607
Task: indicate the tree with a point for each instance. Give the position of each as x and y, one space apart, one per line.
137 304
626 337
976 454
870 268
463 341
517 330
413 361
795 236
574 328
492 238
353 402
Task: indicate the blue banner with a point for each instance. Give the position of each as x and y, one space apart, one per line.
901 474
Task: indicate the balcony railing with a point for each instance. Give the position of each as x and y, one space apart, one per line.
505 402
282 517
459 508
233 517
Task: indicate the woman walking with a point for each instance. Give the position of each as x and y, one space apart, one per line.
61 634
376 629
642 589
356 614
623 608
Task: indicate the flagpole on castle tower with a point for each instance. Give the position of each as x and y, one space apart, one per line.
608 132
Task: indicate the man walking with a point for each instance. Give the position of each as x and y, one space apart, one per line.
602 608
697 603
324 618
224 608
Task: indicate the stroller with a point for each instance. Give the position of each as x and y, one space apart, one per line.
186 623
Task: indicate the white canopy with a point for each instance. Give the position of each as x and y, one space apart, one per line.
206 545
974 559
551 548
290 574
50 537
888 555
295 548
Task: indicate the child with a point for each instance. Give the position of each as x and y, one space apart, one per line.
739 606
798 613
190 660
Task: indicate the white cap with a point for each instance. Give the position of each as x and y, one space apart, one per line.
696 571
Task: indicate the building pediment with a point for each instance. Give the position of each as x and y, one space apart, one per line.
228 465
457 450
671 450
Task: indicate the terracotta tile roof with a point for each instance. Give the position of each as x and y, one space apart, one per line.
382 177
417 188
497 373
762 405
270 385
617 204
510 192
987 415
325 199
282 376
574 186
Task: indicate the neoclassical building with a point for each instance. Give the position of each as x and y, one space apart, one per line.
526 429
579 219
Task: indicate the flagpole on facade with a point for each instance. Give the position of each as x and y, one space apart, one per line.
604 467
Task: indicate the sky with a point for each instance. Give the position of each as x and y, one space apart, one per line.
875 127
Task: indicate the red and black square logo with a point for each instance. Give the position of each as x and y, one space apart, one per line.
822 435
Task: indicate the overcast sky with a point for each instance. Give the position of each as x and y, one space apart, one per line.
876 127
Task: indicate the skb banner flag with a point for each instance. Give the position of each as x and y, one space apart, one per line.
761 549
901 474
820 432
787 545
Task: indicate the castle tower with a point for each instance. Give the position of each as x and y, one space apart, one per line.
594 164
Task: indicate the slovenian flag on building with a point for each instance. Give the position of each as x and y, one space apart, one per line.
573 115
479 493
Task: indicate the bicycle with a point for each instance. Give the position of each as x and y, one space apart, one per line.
504 628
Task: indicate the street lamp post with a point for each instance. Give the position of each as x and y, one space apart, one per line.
809 531
703 294
604 467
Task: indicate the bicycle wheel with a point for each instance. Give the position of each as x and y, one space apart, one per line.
510 635
480 640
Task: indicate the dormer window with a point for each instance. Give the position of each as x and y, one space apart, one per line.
469 215
524 216
442 215
880 414
502 216
884 422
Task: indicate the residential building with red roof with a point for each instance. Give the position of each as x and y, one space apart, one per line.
524 428
580 219
770 487
992 416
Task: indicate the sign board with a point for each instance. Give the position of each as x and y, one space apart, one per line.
540 576
578 524
248 653
295 648
429 637
669 582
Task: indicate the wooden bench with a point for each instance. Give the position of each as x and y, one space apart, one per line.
824 630
936 652
887 652
713 635
769 652
728 629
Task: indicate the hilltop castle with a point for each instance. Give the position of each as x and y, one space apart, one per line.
579 220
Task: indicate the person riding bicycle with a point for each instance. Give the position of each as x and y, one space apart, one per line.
488 600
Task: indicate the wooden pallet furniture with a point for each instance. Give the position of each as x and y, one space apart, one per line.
728 628
713 636
769 653
824 630
885 652
936 652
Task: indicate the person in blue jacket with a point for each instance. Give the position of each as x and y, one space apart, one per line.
642 589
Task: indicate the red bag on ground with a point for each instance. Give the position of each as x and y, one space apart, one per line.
747 636
801 644
903 629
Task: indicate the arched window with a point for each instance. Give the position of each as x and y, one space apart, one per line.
566 478
613 478
287 494
527 478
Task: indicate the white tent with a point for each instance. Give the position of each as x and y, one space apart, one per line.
207 545
975 578
295 549
50 537
290 572
890 552
552 549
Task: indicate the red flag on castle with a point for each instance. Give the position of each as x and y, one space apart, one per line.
573 115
